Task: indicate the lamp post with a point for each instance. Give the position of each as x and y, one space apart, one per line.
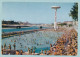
55 23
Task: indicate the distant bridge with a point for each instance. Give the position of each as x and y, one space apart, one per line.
19 26
16 26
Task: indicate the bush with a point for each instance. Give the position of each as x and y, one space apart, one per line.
70 25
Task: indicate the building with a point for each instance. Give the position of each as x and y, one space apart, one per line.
68 22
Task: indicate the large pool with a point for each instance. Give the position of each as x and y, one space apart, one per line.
40 40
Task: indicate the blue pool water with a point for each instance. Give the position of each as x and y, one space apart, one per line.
21 29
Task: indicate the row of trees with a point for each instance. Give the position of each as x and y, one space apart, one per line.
9 22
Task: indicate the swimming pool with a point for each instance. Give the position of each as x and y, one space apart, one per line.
40 40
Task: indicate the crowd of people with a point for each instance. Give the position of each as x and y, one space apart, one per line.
65 45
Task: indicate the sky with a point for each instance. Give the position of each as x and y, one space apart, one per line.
36 12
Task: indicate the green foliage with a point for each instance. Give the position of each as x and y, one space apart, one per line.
9 22
74 12
70 25
62 24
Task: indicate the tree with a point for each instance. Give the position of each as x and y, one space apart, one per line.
74 12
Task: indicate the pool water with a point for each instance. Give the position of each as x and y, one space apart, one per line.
40 40
21 29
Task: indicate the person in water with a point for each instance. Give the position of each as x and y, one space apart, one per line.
45 52
9 46
41 52
34 51
4 46
14 46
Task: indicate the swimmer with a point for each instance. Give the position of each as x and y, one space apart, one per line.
15 41
21 46
11 40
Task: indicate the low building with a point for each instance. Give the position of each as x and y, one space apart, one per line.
68 22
